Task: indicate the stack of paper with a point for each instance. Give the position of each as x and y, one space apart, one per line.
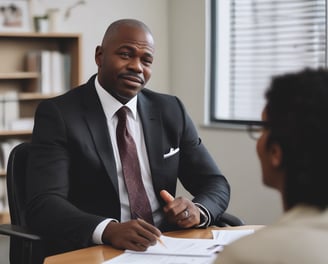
175 251
225 237
182 250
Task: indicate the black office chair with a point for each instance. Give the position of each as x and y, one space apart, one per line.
227 219
25 247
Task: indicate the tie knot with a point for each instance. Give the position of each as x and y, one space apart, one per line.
122 113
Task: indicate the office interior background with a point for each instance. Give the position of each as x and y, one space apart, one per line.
180 68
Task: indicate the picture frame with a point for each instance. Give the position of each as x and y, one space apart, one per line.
15 16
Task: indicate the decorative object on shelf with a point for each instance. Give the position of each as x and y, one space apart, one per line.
48 14
41 23
15 16
69 9
52 14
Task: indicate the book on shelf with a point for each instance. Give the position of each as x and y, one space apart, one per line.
10 113
26 123
46 71
67 71
4 206
53 69
5 149
2 110
9 109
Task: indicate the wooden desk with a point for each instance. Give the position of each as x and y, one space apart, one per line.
98 254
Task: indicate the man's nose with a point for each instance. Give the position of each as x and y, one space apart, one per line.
135 65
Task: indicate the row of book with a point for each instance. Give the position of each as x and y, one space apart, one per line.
54 69
5 149
10 113
4 207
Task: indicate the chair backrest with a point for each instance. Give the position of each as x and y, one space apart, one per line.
27 248
16 177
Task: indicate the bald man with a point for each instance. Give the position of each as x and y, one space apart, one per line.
76 191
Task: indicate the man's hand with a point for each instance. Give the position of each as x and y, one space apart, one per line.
135 235
180 211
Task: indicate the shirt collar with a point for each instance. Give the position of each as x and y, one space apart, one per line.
110 104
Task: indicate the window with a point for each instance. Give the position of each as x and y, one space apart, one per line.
253 40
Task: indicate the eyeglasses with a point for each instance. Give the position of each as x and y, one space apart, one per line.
255 130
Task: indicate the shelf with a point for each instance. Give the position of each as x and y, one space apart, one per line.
4 217
34 96
11 133
18 75
38 35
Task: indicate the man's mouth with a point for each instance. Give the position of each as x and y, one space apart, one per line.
132 78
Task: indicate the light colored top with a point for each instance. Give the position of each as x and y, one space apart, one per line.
300 236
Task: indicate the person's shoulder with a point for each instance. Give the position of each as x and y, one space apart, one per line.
74 93
151 93
71 99
160 98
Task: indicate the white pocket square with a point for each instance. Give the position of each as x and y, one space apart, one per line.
171 152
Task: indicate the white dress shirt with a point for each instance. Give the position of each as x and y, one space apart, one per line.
111 106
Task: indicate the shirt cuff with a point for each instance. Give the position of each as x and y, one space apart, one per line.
205 218
99 230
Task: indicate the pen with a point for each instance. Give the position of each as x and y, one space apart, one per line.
159 240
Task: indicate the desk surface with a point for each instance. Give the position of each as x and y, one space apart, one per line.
98 254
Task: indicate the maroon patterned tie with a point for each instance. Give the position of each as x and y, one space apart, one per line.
139 203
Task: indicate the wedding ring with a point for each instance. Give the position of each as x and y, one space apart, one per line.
186 213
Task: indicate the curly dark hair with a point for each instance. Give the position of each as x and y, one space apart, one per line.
297 115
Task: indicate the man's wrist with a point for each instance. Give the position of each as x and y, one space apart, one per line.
205 217
98 232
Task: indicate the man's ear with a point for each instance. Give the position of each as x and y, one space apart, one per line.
275 155
98 56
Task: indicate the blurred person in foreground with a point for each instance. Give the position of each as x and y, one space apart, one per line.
292 150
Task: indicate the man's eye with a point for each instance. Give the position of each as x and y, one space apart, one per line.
147 61
124 54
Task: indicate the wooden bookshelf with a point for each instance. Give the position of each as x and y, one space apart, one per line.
5 217
16 78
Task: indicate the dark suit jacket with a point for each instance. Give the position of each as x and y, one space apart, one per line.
72 180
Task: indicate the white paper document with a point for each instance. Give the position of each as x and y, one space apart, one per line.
131 258
175 251
225 237
182 247
182 250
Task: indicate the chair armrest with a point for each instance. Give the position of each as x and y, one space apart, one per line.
227 219
18 231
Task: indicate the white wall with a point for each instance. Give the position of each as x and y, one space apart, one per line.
93 18
179 68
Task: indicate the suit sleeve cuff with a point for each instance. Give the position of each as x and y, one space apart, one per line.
205 216
99 230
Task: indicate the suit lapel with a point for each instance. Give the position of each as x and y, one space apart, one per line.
97 124
152 128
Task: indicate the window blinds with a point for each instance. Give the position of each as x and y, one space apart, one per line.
265 38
